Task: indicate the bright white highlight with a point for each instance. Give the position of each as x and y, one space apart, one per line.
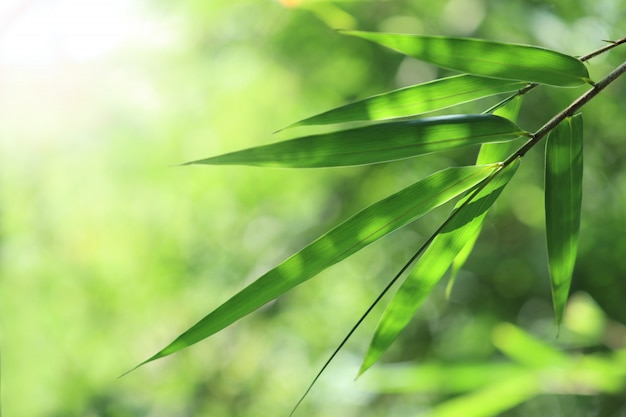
46 33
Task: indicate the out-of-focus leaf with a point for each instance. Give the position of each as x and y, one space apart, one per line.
491 400
417 99
374 144
489 153
438 378
433 264
564 170
362 229
486 58
525 349
584 317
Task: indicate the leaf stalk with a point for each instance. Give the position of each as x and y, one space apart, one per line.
567 112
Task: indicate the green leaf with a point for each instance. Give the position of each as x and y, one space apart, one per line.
526 349
417 99
362 229
486 58
433 264
438 378
492 400
374 144
564 170
461 257
489 153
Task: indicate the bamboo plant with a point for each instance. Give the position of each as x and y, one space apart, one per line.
395 126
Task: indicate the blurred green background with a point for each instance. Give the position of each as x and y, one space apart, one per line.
109 249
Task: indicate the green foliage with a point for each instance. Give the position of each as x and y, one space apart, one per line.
374 144
417 99
489 59
564 175
489 153
464 224
486 390
450 245
349 237
109 248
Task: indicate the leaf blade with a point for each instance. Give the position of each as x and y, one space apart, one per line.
492 400
432 265
418 99
362 229
489 153
375 144
486 58
563 199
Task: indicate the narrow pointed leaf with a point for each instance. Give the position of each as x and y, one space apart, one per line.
417 99
438 377
461 257
362 229
432 266
564 169
526 349
486 58
492 400
489 153
375 144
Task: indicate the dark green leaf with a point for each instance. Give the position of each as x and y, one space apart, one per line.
417 99
486 58
344 240
564 170
374 144
433 264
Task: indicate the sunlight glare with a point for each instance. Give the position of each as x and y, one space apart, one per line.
51 33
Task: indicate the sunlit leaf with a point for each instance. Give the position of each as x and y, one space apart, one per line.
564 170
461 257
417 99
374 144
489 153
486 58
438 378
433 264
492 400
526 349
362 229
584 317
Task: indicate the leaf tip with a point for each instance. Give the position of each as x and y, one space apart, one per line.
368 361
134 368
186 163
290 126
449 288
349 32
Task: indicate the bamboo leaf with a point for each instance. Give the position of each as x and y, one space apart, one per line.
489 153
374 144
417 99
564 169
486 58
438 377
362 229
433 264
492 400
526 349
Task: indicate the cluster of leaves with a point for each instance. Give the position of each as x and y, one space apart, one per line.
488 69
533 367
